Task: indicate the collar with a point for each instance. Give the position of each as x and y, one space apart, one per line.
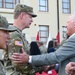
72 35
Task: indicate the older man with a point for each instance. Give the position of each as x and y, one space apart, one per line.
4 38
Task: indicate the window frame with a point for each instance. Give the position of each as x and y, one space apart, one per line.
43 6
6 3
64 31
40 31
67 8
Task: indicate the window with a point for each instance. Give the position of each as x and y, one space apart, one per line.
64 31
8 3
44 33
43 5
66 6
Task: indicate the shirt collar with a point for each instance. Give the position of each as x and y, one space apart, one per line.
72 35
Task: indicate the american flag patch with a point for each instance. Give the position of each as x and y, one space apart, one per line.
18 43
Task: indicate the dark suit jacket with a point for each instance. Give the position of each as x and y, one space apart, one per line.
63 55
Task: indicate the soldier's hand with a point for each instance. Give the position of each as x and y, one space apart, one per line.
20 58
70 68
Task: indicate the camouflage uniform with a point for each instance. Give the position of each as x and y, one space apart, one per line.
4 26
2 71
17 69
16 44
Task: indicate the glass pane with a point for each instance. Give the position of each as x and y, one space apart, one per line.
42 3
64 28
46 9
8 6
43 28
42 8
68 11
1 5
46 2
43 34
68 5
17 1
8 0
8 3
64 34
0 1
65 5
43 39
65 11
65 0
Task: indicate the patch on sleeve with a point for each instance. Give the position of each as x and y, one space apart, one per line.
18 43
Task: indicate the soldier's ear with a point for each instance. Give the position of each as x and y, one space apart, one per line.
22 15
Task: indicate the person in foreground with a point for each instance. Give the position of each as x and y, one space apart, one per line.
63 55
70 68
23 18
4 38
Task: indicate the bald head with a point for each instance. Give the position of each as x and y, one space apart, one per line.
71 25
72 18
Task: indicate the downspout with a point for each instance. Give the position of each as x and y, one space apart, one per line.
58 20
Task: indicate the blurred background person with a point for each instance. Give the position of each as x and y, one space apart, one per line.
50 46
42 47
34 49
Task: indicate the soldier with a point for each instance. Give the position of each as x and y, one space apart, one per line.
4 38
23 15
